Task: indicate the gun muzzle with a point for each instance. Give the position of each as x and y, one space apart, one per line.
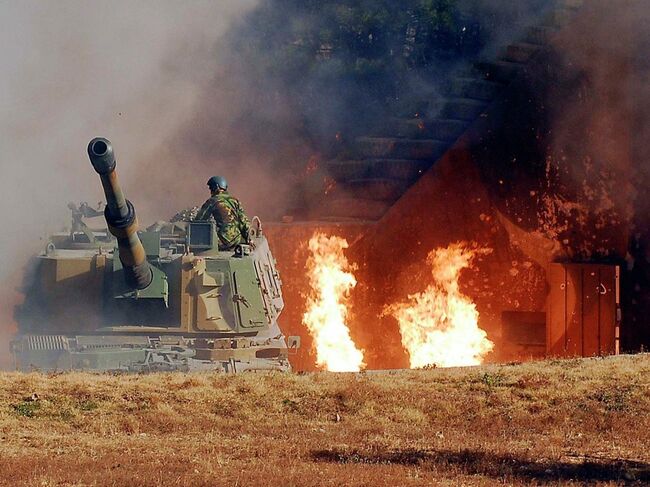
120 216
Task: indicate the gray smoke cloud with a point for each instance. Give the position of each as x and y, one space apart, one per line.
290 94
598 108
72 70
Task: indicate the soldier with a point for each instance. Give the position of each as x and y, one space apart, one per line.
233 226
83 211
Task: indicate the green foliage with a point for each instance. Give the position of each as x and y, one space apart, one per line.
335 65
64 410
367 36
492 380
290 405
66 414
28 409
87 405
614 399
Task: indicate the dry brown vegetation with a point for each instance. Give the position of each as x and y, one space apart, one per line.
575 421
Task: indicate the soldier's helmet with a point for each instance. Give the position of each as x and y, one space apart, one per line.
217 182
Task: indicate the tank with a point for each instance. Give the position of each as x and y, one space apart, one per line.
166 298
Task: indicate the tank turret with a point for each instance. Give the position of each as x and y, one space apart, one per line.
120 216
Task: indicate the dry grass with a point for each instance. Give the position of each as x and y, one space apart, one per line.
576 421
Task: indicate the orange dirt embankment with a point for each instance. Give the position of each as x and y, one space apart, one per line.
582 421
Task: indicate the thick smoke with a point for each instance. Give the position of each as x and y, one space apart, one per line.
592 105
73 70
571 146
570 162
602 138
299 80
588 106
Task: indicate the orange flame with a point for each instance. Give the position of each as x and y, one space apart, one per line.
331 280
439 326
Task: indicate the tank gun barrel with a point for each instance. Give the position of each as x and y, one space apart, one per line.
120 216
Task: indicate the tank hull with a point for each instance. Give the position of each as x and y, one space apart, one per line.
210 311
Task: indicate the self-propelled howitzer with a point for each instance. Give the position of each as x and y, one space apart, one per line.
165 298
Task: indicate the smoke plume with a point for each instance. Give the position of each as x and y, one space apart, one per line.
601 139
72 70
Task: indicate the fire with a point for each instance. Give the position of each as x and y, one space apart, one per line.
439 326
331 280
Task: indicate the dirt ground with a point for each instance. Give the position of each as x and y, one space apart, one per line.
553 422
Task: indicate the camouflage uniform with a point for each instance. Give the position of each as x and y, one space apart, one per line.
233 226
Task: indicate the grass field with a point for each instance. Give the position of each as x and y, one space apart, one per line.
553 422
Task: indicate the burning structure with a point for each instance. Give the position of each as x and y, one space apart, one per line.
527 154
